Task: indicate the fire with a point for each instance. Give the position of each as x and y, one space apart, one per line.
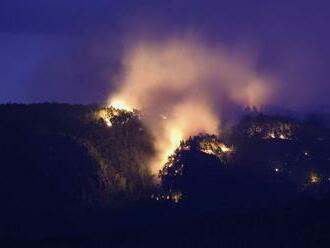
108 114
213 146
120 104
225 148
314 178
275 130
104 115
175 137
272 135
174 197
168 148
179 83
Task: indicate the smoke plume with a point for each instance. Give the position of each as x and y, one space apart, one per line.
181 83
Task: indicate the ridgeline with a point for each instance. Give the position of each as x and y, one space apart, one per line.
69 178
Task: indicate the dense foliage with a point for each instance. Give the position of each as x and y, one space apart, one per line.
60 156
271 161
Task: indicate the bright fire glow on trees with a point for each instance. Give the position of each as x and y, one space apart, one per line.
277 130
215 148
174 144
314 178
182 79
104 115
120 104
109 115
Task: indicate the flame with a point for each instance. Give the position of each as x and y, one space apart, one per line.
225 149
184 122
104 115
182 80
175 138
314 178
120 104
216 148
278 135
167 147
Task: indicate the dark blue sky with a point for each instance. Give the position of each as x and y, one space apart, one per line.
66 50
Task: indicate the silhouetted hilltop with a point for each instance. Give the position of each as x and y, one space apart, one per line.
59 158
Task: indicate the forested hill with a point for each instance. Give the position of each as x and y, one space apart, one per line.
61 157
71 168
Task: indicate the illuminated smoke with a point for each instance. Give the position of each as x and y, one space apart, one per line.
187 119
180 84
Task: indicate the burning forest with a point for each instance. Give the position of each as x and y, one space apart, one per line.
161 80
180 103
259 149
162 144
164 123
97 159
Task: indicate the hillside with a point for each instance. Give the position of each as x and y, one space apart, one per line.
72 169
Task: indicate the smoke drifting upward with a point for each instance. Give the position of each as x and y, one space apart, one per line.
180 84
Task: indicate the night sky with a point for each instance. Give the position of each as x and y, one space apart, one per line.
69 50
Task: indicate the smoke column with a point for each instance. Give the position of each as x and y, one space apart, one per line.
180 83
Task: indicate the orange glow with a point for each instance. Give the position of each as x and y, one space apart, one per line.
182 80
216 148
225 148
120 104
168 147
185 120
104 115
314 178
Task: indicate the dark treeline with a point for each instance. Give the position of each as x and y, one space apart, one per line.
69 180
60 159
